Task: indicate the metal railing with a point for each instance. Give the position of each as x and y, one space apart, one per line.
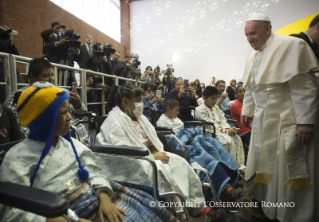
61 74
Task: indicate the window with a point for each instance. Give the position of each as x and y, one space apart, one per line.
104 15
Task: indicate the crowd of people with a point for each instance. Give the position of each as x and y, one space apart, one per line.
264 130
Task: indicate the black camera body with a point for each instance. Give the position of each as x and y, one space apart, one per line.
98 50
136 63
4 31
72 38
108 49
97 80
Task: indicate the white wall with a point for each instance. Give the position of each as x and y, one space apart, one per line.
207 35
103 15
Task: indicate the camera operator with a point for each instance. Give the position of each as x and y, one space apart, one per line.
6 41
95 95
118 64
86 52
127 60
168 79
6 46
126 73
60 48
136 71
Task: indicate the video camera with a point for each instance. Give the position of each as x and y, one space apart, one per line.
135 62
72 38
169 67
97 80
108 49
4 31
98 50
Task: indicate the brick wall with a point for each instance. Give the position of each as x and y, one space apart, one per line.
31 17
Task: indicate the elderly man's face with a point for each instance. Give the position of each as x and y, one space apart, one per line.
117 56
221 88
88 40
257 33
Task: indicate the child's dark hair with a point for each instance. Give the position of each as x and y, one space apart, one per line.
37 65
118 93
210 91
238 87
171 103
148 84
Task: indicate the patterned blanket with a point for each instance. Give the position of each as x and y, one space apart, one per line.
140 206
209 154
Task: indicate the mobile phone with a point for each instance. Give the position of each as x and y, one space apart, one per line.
74 86
159 93
186 83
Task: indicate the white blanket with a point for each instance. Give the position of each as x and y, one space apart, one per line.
177 175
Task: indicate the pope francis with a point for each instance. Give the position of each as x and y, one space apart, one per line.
282 97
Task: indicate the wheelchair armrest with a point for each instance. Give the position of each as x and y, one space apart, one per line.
119 150
147 108
231 121
84 114
192 123
161 128
33 200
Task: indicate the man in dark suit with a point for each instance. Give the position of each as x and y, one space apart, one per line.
118 64
311 36
86 52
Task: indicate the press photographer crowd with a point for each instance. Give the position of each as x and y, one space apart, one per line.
268 123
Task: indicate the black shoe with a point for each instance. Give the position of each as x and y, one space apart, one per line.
261 217
233 195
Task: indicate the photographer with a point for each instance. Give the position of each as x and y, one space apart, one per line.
61 48
6 46
136 71
6 41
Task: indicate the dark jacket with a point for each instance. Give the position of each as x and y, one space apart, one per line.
118 67
198 91
185 102
313 46
83 58
231 93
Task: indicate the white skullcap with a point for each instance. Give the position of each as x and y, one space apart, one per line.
259 17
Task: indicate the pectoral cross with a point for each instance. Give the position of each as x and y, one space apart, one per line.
253 84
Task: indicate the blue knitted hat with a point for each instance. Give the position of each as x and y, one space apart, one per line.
37 108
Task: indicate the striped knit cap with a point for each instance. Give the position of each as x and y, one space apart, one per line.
37 108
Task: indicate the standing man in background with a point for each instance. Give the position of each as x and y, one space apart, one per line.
86 53
311 36
282 96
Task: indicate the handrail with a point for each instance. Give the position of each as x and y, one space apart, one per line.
61 73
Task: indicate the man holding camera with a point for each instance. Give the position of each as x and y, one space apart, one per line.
56 47
7 46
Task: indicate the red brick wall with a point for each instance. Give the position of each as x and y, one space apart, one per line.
31 17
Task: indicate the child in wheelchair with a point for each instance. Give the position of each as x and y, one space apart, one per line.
204 151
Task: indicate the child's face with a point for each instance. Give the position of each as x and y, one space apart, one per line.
210 101
172 113
63 120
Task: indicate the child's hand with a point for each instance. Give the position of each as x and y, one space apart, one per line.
107 208
162 156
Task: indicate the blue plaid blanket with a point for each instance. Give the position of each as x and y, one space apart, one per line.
139 205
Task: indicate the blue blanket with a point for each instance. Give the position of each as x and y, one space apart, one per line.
209 154
140 206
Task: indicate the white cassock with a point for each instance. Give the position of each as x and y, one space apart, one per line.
281 92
